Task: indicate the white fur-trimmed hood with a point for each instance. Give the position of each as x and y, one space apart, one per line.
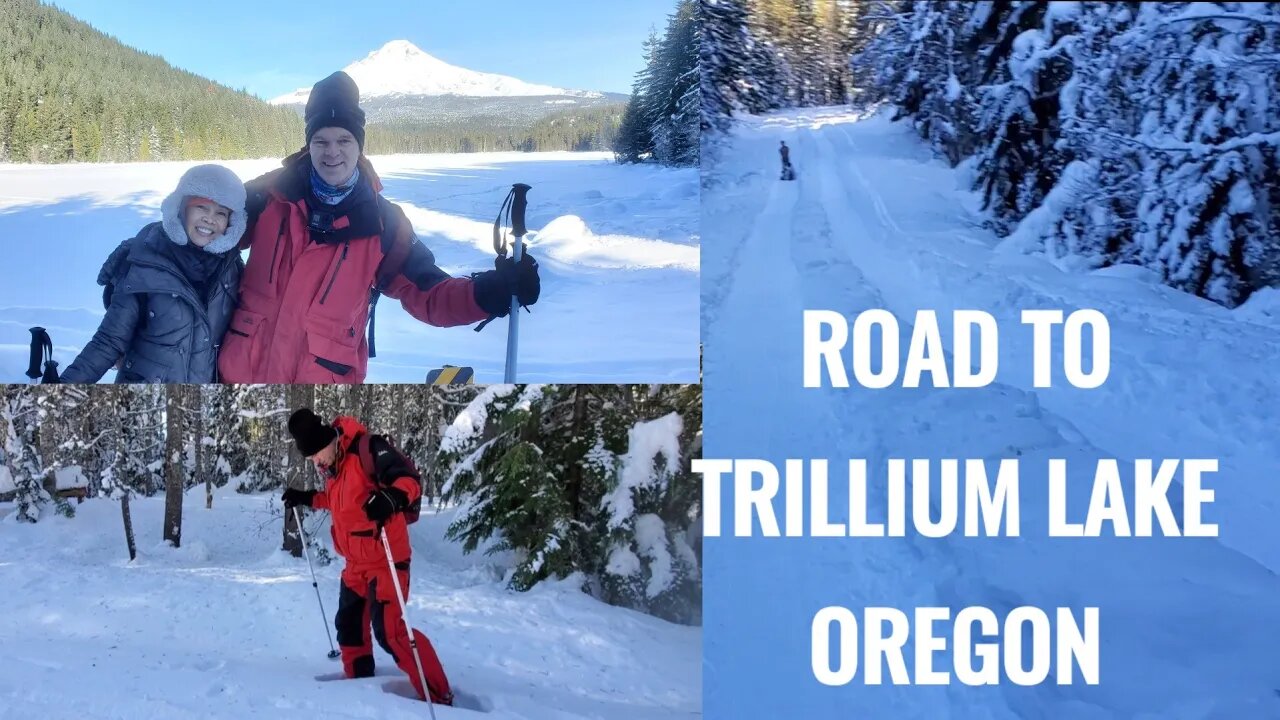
218 184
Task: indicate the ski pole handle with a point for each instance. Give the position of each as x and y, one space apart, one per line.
519 203
518 206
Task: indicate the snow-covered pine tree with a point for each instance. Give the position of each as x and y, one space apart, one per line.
420 422
673 104
927 59
1087 218
69 426
649 509
265 417
664 114
1031 60
1173 146
566 478
19 417
502 482
723 54
225 455
139 415
59 420
1210 140
635 133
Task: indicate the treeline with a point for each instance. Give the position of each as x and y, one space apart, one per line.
661 122
761 55
593 129
69 93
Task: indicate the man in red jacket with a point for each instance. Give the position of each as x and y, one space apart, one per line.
324 244
361 508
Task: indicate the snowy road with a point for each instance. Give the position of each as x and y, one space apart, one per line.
874 221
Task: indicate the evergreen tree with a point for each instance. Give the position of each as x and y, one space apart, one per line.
1210 143
664 117
19 415
1106 132
69 93
582 479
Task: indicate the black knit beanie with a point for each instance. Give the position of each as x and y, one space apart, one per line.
310 432
335 102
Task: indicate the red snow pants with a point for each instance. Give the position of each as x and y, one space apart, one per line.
368 599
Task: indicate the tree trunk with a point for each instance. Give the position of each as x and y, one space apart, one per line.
298 475
173 464
367 398
128 525
574 474
196 403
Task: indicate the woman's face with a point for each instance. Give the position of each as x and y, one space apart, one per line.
206 220
334 152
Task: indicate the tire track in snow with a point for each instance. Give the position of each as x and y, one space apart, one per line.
1137 394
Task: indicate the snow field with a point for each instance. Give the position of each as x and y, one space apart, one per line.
228 626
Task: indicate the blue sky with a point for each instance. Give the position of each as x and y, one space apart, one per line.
271 47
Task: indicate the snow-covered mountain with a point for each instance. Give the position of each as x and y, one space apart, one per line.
401 68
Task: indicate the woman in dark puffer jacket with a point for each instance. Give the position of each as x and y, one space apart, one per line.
171 290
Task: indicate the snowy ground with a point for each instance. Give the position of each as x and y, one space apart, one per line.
228 627
618 248
1190 627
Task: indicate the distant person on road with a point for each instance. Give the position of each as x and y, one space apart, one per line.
170 291
785 152
324 244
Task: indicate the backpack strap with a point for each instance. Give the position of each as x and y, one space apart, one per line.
396 245
365 453
381 460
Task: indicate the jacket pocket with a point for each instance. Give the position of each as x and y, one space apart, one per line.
365 547
138 369
337 352
238 356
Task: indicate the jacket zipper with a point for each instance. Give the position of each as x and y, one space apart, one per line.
275 252
341 259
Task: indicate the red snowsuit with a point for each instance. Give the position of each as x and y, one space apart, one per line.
368 595
304 296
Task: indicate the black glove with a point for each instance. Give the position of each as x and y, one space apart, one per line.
292 498
383 503
494 288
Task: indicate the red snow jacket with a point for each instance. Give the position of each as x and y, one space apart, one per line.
305 293
355 536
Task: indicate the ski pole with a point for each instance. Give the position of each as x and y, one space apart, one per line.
333 652
518 205
404 615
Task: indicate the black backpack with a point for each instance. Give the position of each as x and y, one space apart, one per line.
399 463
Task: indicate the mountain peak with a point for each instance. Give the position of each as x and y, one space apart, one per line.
401 68
397 47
